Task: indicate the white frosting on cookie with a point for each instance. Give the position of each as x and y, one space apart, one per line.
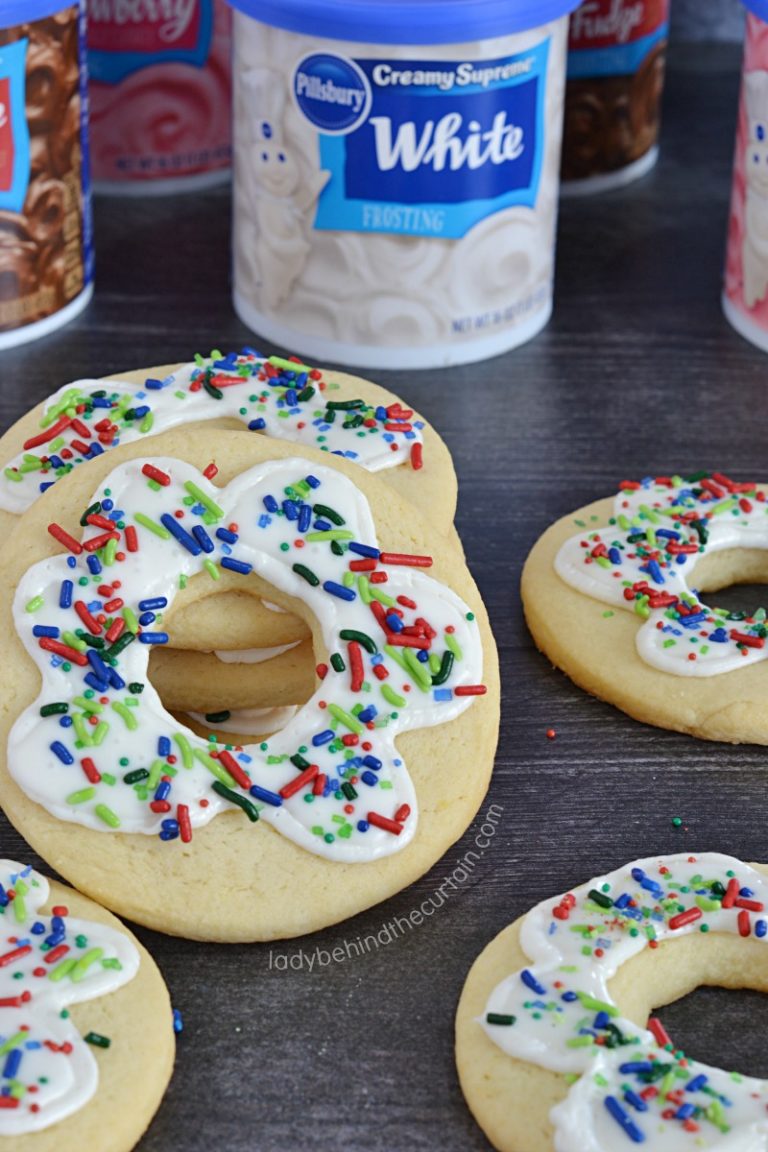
98 748
47 963
558 1012
644 559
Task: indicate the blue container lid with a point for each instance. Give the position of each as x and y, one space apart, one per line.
13 12
758 7
406 21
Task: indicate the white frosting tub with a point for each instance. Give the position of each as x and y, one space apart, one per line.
396 175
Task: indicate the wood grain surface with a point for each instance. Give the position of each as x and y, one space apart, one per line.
637 373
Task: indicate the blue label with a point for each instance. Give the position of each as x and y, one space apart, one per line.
332 92
149 42
441 146
14 132
615 60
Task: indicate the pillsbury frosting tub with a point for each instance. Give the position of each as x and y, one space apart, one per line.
396 175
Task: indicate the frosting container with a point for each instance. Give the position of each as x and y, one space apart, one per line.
616 58
46 248
745 293
160 94
396 175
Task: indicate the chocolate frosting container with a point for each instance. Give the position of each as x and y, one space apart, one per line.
616 60
396 175
160 89
46 244
745 291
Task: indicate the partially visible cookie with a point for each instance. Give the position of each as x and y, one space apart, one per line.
201 682
82 1007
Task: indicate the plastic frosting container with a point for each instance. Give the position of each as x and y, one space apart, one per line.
616 59
160 94
745 292
396 175
46 249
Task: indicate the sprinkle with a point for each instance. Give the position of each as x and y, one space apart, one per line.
624 1120
152 526
404 559
97 1040
62 752
250 809
338 590
172 525
383 822
64 538
155 474
107 815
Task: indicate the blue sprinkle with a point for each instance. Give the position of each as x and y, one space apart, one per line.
95 682
364 550
394 623
257 425
116 679
203 538
367 714
264 520
172 525
381 413
62 752
531 982
65 721
153 604
305 518
323 737
141 411
71 562
153 385
163 746
635 1101
96 449
264 794
163 790
614 556
636 1066
46 485
98 665
339 590
271 504
37 928
746 893
45 630
601 1020
107 505
12 1062
312 481
697 1083
322 525
94 565
624 1120
372 762
369 778
761 927
685 1111
236 565
225 534
441 695
65 595
147 618
362 825
154 637
291 509
569 997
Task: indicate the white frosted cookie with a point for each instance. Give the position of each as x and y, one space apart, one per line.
360 793
82 1007
619 595
331 411
556 1047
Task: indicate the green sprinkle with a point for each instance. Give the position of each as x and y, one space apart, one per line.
327 513
58 709
361 638
107 815
97 1040
184 747
209 504
84 963
33 604
306 574
499 1018
241 801
83 735
125 713
211 569
337 663
120 644
81 796
392 697
99 732
86 704
63 969
445 668
595 1005
289 365
331 534
12 474
136 776
152 526
453 644
216 769
346 718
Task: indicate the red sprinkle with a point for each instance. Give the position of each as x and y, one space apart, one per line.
100 521
299 782
731 892
357 671
90 770
403 813
185 824
319 784
417 456
131 539
406 559
383 822
743 922
688 917
64 538
115 630
90 621
97 542
49 433
51 645
56 954
471 690
13 956
210 471
156 475
235 770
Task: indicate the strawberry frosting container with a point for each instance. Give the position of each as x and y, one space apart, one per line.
745 291
160 89
396 175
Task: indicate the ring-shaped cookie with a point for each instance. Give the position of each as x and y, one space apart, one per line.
614 605
330 797
555 1047
81 1004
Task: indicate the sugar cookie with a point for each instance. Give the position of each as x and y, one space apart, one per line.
608 596
563 996
130 793
66 1063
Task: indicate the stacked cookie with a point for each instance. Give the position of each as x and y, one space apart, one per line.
249 664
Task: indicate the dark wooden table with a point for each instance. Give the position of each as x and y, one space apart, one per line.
637 373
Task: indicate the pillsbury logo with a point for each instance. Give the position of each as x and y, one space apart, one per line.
331 92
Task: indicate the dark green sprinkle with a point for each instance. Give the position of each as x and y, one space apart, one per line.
328 417
306 393
361 637
499 1018
136 688
344 405
129 414
694 479
337 663
349 790
328 514
337 548
54 709
353 422
212 390
217 717
98 395
90 511
243 802
118 646
299 762
307 574
97 1040
92 641
444 671
600 899
136 776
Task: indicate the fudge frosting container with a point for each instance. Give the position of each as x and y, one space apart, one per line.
46 248
616 58
396 175
745 291
160 87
